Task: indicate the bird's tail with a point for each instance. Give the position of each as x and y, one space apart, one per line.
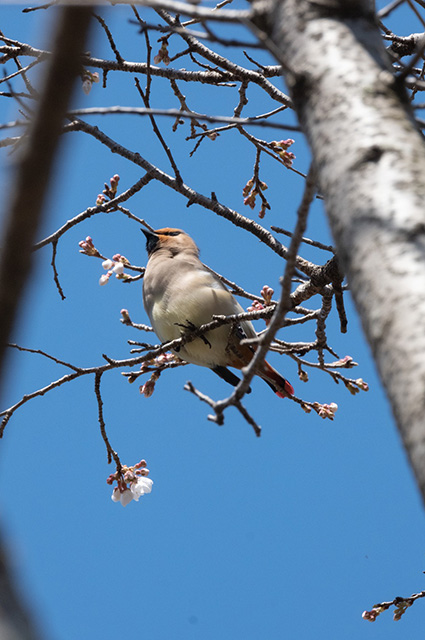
281 387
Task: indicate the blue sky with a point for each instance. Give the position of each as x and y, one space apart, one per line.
291 535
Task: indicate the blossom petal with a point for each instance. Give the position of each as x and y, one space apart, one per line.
118 268
141 486
116 495
126 497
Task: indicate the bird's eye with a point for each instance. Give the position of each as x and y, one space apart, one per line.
170 233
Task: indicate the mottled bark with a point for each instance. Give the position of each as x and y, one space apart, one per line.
24 203
15 623
370 159
24 208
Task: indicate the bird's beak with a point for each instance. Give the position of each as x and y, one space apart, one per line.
152 240
148 233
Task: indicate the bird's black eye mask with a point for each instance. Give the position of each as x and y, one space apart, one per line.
170 233
152 239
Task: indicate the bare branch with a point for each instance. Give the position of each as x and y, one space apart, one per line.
91 211
195 197
257 121
400 604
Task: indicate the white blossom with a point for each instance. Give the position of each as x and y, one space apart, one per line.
118 268
108 264
122 496
140 487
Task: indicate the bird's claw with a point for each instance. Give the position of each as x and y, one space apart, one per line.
189 326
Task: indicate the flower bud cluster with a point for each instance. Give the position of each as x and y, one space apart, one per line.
163 55
372 614
159 362
346 362
401 607
362 384
280 147
267 294
354 386
132 483
110 190
325 410
255 305
88 79
115 266
88 248
251 190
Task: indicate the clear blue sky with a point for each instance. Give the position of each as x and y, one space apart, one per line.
288 536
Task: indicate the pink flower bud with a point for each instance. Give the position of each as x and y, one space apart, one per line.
147 389
267 293
306 408
250 200
125 316
247 188
104 278
128 476
370 615
351 387
362 384
88 247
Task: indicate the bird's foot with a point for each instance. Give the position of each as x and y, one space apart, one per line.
189 326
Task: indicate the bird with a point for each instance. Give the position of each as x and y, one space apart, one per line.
180 293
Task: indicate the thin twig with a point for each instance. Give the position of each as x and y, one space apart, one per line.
111 453
91 211
159 134
55 272
313 243
113 46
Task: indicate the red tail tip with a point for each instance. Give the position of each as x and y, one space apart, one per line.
289 390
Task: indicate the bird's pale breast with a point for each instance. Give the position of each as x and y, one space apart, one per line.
190 297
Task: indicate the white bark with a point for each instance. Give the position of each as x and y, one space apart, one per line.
371 164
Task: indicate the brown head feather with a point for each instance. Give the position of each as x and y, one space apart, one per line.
176 241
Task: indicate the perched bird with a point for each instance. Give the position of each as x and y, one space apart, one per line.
180 293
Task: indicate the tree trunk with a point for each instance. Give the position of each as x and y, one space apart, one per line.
370 159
